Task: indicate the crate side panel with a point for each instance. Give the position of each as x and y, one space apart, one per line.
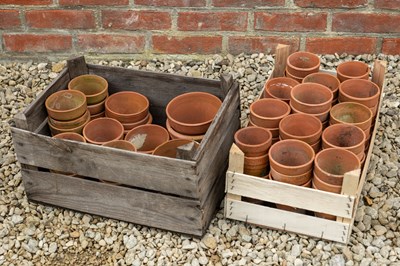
132 205
135 169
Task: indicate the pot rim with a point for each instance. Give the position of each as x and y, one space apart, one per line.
92 76
329 101
338 69
337 150
125 116
270 100
326 75
253 145
55 94
304 116
59 136
303 53
99 103
358 99
266 87
70 129
326 131
315 115
324 183
293 176
178 135
170 141
158 127
66 122
99 119
119 141
339 105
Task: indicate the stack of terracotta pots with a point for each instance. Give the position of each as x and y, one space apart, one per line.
352 70
327 80
255 143
130 108
67 112
96 90
329 168
302 127
147 138
301 64
268 113
189 115
102 130
279 88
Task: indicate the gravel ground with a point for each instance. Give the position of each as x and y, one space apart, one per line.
33 234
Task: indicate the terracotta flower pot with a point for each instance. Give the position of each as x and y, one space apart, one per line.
256 166
303 127
351 113
359 90
94 87
55 130
127 106
374 110
66 105
253 141
298 79
279 88
102 130
268 112
147 120
294 180
70 136
169 148
344 136
70 123
177 135
192 113
291 157
352 70
102 114
331 164
147 137
301 64
323 117
325 79
321 185
274 140
97 108
316 146
120 144
311 98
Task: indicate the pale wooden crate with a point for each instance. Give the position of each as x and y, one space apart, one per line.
172 194
342 205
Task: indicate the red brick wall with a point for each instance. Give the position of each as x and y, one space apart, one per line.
198 26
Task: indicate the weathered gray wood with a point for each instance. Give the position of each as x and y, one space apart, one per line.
134 169
226 83
128 204
186 152
77 66
20 121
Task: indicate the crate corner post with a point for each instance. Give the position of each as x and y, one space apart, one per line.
77 66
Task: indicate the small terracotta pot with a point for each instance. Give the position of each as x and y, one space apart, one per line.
351 113
301 64
70 136
127 106
102 114
256 166
147 137
303 127
331 164
321 116
294 180
66 105
311 98
291 157
279 88
120 144
97 108
253 141
169 148
94 87
268 112
298 79
344 136
147 120
55 130
359 90
70 123
352 70
102 130
325 79
321 185
177 135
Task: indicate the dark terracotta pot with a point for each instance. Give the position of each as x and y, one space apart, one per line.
66 105
351 113
169 148
331 164
325 79
55 130
359 90
70 136
127 106
147 120
97 108
120 144
321 116
102 114
294 180
344 136
102 130
256 166
301 64
303 127
311 98
253 141
352 70
94 87
70 124
177 135
298 79
279 88
147 137
268 112
291 157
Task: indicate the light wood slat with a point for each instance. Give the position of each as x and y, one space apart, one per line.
128 204
287 221
134 169
281 55
287 194
77 66
236 165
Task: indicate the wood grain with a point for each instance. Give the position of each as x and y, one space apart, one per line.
77 66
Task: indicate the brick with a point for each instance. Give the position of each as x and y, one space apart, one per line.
9 19
391 46
331 4
187 45
299 21
264 44
42 43
220 21
388 4
60 19
107 43
136 20
350 45
93 2
177 3
366 22
248 3
26 2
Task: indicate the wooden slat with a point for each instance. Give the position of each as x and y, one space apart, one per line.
135 169
378 74
287 221
291 195
236 165
281 55
132 205
77 66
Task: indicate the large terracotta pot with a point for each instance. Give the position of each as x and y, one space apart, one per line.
256 166
147 137
94 87
169 148
301 64
311 98
66 105
127 106
325 79
102 130
359 90
279 88
253 141
352 70
268 113
351 113
303 127
344 136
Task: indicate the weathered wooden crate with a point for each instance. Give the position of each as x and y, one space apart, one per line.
173 194
342 205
